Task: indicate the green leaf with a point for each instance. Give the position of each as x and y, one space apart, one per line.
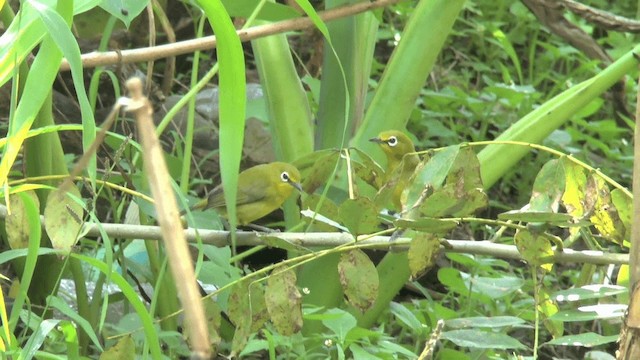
359 215
485 322
428 225
359 279
368 170
269 11
126 11
548 187
585 340
431 173
340 323
537 217
328 209
284 301
589 313
595 291
423 251
477 339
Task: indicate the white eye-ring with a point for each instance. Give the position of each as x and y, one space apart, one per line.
393 141
284 176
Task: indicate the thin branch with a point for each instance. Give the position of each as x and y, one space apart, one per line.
312 240
94 59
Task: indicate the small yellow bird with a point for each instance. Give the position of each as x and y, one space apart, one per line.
261 190
396 145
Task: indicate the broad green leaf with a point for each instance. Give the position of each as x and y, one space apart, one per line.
339 322
422 254
368 170
431 173
589 313
359 279
485 322
360 216
126 11
270 11
478 339
284 301
595 291
328 209
589 339
536 217
429 225
548 187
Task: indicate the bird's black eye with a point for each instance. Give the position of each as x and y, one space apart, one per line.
284 176
393 141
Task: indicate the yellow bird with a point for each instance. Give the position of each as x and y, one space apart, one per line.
399 150
261 190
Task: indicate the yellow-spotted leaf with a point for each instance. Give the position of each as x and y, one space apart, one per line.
534 248
422 254
605 216
124 349
573 198
63 218
284 301
368 170
16 224
624 206
359 279
548 308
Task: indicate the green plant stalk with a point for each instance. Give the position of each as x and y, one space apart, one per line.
233 101
345 79
165 305
391 107
496 160
151 335
188 137
82 299
407 70
289 113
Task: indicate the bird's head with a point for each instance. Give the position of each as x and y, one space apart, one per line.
395 144
288 177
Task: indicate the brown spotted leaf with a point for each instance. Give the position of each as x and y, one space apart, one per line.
16 224
359 279
284 301
63 218
422 254
327 209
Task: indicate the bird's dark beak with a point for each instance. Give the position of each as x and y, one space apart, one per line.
296 185
376 140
